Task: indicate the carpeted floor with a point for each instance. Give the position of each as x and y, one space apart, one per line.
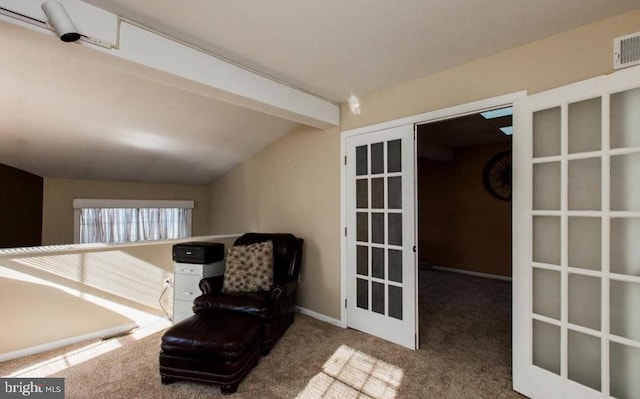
465 340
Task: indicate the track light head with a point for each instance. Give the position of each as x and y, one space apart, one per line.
60 22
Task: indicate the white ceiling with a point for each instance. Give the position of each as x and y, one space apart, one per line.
69 111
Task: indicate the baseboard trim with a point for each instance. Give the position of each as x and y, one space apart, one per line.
472 273
319 316
107 332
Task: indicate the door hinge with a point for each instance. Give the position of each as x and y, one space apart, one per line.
345 231
414 248
345 303
345 159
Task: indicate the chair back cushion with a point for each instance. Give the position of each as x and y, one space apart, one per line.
249 268
287 253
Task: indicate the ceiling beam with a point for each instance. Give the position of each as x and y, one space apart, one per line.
199 71
228 82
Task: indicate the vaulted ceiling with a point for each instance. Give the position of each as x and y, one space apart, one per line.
70 111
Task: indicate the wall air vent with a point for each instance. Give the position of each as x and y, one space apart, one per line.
626 51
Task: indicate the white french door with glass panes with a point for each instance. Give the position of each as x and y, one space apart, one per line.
380 228
576 240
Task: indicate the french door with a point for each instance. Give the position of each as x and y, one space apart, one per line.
576 240
380 208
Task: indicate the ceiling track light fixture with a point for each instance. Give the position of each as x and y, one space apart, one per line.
59 20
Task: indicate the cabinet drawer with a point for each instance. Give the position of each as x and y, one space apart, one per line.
186 287
187 268
182 310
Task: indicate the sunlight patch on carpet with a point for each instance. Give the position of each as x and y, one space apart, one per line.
161 323
74 357
69 359
352 374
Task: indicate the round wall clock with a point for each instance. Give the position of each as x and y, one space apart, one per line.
497 176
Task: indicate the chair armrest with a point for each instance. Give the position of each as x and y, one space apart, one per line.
256 304
211 285
280 291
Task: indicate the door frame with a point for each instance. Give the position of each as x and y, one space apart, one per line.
428 117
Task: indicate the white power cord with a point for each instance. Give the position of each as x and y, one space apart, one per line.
167 284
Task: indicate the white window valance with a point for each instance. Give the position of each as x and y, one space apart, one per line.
80 203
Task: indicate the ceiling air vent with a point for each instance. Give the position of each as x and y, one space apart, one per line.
626 51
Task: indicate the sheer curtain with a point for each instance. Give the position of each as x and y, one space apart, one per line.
112 225
162 223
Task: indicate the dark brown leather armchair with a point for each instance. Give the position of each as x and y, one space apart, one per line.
274 308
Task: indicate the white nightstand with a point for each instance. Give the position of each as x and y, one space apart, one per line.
186 279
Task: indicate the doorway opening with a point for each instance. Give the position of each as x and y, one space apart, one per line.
357 215
463 226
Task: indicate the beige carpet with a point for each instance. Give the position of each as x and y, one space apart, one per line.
465 353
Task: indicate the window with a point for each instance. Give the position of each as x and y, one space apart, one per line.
121 221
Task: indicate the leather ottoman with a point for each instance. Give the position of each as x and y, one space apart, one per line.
214 347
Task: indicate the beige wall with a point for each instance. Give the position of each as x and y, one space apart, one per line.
294 184
44 295
46 314
461 225
290 187
57 208
558 60
41 310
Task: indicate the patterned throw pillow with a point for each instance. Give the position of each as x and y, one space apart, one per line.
249 268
